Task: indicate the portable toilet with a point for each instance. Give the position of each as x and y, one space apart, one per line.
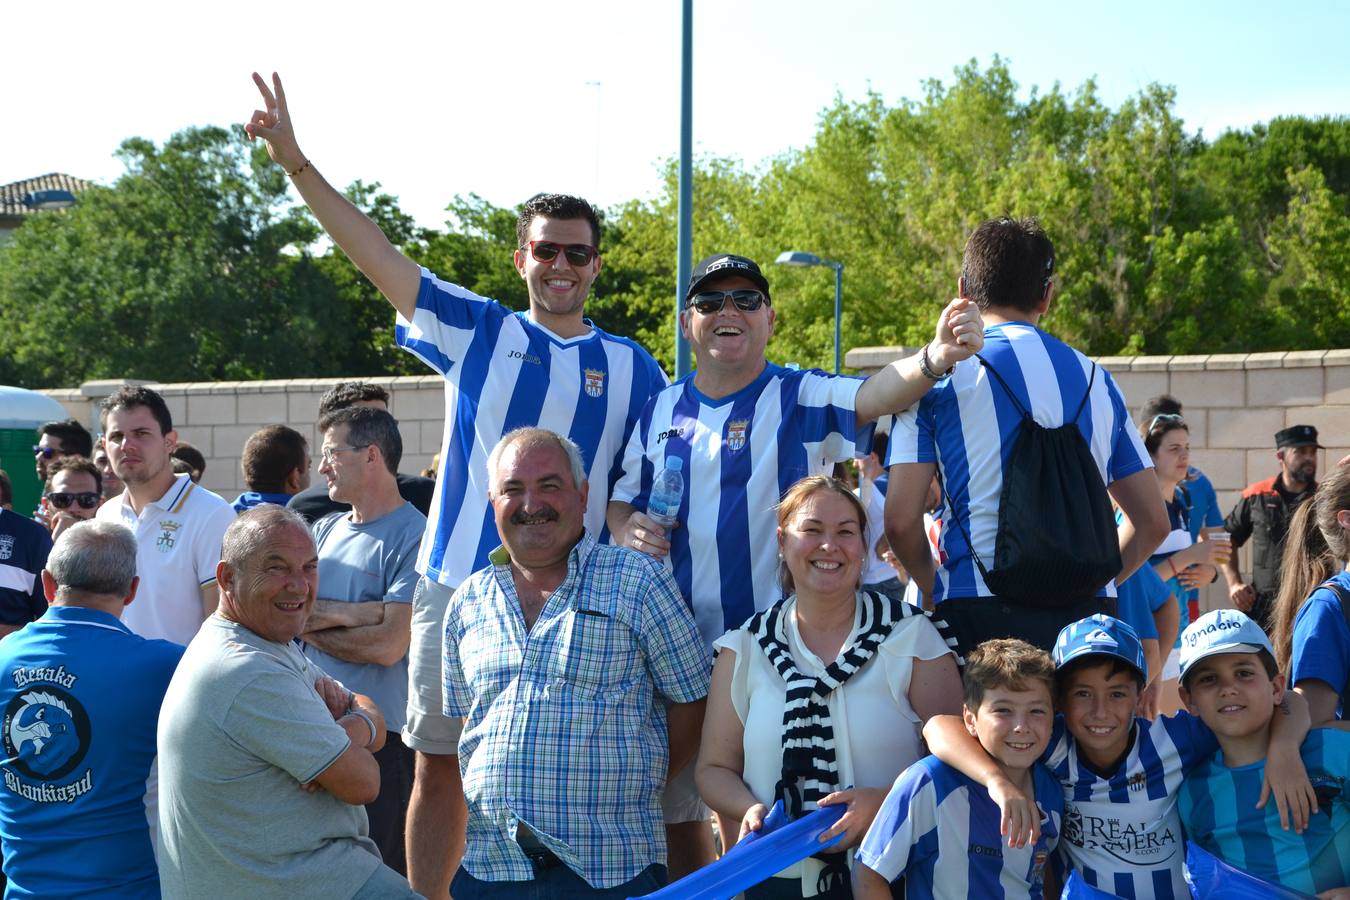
21 412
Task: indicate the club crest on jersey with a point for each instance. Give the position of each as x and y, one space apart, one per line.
45 734
736 432
6 546
1137 782
595 382
168 536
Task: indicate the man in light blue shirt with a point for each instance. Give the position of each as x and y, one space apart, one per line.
360 628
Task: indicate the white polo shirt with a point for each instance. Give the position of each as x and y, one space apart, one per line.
178 545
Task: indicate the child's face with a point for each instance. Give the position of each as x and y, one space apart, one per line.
1232 694
1013 726
1099 709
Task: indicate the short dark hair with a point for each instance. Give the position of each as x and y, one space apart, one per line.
1161 405
186 453
367 426
75 438
880 441
1009 263
1092 660
270 455
6 489
1007 663
73 464
555 206
133 395
345 393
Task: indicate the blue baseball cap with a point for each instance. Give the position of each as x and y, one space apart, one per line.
1099 635
1221 631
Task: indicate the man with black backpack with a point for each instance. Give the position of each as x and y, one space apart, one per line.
1028 438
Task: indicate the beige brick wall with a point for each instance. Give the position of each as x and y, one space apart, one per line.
217 417
1234 404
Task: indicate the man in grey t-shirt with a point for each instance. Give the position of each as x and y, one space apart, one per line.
265 760
360 627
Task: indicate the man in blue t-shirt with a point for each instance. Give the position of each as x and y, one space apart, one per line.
359 630
81 695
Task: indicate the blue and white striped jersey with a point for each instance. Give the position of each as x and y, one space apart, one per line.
502 372
740 454
939 829
1218 808
967 425
1122 831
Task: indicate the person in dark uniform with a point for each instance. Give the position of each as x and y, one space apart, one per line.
1263 514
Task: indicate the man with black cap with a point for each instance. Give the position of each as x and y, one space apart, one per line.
745 430
1263 515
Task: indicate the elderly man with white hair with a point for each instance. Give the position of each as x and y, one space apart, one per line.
80 693
266 760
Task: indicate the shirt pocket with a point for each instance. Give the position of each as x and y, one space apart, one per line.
597 657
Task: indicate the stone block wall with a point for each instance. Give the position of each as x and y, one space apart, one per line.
218 417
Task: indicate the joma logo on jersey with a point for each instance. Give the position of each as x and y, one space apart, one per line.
669 433
736 433
525 357
595 382
168 536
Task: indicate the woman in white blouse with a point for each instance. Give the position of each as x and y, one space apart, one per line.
821 699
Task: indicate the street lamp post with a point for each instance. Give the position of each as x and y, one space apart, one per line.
797 258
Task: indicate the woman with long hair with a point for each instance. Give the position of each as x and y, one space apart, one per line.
1180 561
1319 641
820 699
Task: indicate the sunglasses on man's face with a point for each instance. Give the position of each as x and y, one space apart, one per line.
577 254
45 452
711 302
62 500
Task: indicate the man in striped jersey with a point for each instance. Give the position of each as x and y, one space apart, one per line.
746 430
965 429
503 370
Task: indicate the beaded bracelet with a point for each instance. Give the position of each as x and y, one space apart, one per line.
299 170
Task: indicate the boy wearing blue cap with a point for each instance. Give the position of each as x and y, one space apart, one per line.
1230 680
1120 772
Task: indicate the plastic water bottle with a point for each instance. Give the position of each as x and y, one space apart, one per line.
667 492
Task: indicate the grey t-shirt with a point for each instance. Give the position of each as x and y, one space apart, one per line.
242 726
372 561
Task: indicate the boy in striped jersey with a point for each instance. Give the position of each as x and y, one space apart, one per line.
1120 773
939 828
1229 679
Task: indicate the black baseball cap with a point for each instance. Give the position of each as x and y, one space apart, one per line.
710 267
1297 436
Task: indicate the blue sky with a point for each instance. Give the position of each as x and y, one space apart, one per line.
508 99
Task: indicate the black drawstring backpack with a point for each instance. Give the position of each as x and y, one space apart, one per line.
1057 542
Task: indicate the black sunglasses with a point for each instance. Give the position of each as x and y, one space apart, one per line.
711 302
577 254
62 500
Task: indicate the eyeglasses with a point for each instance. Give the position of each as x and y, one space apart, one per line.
46 452
711 302
62 499
1165 419
577 254
328 454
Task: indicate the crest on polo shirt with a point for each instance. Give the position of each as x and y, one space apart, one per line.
6 546
736 431
595 382
168 535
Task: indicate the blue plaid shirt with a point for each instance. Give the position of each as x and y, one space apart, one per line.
565 727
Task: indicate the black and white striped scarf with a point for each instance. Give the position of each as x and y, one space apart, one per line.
809 756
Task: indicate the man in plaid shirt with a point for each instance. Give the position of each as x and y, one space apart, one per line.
562 656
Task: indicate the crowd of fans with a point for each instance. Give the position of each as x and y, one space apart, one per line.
512 679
